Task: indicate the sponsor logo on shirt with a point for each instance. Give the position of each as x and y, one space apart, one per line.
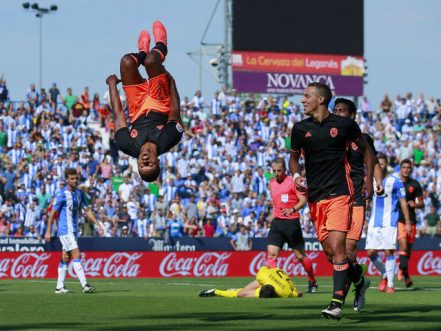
333 132
179 127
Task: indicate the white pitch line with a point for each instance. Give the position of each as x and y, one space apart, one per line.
179 284
204 284
114 283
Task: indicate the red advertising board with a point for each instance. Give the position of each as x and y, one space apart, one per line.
297 63
187 264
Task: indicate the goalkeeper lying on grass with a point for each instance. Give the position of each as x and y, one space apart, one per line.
269 283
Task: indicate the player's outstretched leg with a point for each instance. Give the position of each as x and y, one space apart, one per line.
154 59
160 36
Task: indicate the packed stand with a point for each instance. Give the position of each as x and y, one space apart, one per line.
213 184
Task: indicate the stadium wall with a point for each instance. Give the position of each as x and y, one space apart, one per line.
185 244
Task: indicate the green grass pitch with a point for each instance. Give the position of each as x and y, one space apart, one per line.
173 304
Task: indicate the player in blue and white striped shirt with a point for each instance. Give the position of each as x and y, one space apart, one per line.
68 202
383 225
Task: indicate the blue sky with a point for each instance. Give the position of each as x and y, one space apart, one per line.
84 40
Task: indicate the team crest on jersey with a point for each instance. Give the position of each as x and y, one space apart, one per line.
411 189
179 127
134 133
354 146
162 91
333 132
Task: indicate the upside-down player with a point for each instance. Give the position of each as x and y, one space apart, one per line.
269 283
153 104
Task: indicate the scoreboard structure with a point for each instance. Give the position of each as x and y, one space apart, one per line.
281 46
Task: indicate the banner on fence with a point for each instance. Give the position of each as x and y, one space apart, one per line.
109 264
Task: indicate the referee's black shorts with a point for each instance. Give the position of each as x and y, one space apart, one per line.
286 231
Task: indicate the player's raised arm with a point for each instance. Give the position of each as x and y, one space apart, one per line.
115 102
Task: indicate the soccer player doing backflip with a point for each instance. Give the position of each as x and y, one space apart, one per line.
153 104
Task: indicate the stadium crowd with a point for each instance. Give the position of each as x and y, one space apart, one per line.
213 184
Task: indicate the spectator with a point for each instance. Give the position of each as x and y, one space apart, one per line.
70 99
85 100
208 229
141 225
175 227
54 93
160 223
125 189
191 228
386 104
32 96
241 241
432 221
190 209
44 198
4 93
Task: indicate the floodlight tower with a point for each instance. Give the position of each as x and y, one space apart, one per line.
40 12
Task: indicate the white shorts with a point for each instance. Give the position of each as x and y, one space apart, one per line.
381 238
68 242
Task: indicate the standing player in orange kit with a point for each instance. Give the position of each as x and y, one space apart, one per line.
323 139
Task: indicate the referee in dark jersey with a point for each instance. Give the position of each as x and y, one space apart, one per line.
346 108
414 198
323 139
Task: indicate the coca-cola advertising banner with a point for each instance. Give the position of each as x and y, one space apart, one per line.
187 264
294 83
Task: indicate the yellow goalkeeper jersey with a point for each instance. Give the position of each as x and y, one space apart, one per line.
279 279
